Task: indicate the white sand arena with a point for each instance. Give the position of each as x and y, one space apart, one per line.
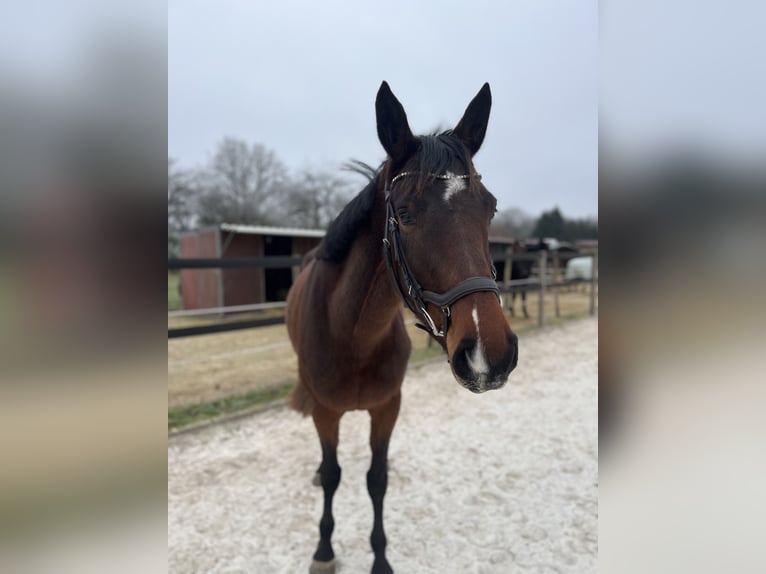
494 483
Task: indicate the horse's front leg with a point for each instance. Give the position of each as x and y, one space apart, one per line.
327 423
382 424
524 304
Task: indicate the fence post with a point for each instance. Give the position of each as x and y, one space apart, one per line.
541 301
593 281
507 276
556 282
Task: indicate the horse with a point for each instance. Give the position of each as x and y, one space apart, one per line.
417 234
522 268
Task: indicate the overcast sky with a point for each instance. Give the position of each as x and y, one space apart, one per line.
300 77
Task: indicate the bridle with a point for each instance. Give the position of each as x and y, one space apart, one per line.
413 295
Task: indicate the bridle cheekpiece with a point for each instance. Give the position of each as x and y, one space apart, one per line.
414 296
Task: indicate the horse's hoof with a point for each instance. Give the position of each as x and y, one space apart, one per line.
318 567
382 567
317 480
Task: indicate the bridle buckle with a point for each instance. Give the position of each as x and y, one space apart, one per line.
431 324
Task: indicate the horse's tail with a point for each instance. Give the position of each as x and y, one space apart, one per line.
301 400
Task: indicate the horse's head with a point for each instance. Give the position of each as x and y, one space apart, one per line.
437 239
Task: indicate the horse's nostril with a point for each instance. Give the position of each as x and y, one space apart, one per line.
462 359
461 352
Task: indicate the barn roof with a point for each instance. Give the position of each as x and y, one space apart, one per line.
302 232
269 230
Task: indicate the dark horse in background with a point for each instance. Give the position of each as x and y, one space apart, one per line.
418 234
522 269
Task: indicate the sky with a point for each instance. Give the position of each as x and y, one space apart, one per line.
301 77
683 76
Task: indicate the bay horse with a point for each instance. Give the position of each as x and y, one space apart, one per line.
416 234
522 269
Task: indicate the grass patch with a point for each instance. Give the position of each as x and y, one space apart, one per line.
174 294
183 416
426 354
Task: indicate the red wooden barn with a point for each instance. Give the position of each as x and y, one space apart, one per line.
207 288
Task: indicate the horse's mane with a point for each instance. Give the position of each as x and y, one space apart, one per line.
437 153
340 235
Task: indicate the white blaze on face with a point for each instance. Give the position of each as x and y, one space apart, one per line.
454 185
476 360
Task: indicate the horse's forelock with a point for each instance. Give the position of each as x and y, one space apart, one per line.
438 154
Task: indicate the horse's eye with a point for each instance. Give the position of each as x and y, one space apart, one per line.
404 216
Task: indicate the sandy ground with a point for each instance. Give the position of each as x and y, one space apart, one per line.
494 483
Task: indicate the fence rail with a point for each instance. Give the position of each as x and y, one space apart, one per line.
223 327
267 262
546 277
230 309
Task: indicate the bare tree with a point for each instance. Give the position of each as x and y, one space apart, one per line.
314 199
240 184
181 207
248 184
513 222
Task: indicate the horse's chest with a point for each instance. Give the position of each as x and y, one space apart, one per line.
360 380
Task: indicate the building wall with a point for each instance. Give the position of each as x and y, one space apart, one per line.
200 287
246 285
302 245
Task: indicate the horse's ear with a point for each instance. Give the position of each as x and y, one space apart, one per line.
473 126
393 130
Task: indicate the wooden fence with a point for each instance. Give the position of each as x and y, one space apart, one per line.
545 279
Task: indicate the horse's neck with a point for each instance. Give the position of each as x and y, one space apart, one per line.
367 293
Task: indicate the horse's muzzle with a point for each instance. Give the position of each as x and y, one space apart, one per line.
475 372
